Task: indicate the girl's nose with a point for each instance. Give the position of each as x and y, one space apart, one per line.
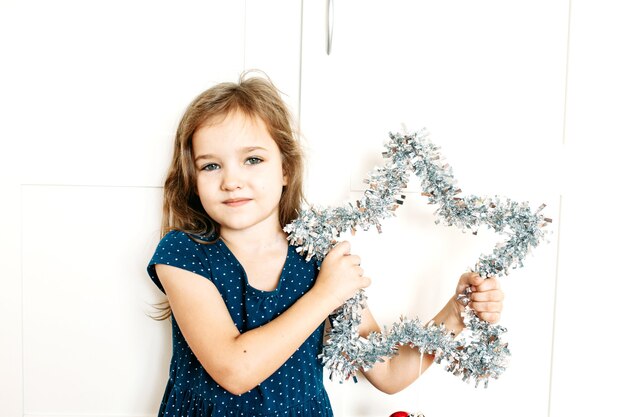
231 179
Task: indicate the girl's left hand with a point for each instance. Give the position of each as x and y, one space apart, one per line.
485 298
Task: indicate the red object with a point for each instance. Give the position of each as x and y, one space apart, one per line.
400 414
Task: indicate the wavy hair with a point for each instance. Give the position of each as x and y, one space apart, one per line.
254 97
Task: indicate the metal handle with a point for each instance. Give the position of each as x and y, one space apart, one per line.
330 23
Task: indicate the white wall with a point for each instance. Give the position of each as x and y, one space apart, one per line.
526 98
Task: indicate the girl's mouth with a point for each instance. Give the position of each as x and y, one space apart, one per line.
235 202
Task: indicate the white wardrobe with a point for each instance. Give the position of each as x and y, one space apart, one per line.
526 99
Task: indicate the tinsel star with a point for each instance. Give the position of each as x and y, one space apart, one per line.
480 354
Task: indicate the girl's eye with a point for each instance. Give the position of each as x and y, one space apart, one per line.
210 167
253 160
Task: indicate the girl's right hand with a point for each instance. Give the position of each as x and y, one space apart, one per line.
341 275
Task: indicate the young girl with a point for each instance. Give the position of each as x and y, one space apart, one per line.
247 311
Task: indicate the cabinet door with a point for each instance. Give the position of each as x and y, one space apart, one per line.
91 97
591 250
101 85
487 79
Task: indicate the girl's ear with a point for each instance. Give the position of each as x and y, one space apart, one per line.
285 180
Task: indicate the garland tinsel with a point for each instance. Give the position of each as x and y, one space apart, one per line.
478 353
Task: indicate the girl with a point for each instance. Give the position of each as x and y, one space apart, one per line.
247 311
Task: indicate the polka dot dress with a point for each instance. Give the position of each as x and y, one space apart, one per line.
295 389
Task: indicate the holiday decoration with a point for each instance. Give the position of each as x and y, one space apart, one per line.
405 414
478 353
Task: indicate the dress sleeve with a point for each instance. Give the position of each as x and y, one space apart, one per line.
179 250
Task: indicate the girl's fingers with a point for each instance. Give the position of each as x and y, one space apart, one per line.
355 260
366 281
340 249
468 279
477 283
489 317
488 284
491 295
486 307
485 297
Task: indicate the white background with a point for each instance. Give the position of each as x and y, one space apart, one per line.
526 98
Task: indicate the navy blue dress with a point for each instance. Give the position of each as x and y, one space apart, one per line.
295 389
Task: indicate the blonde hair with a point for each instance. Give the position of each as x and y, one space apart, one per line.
254 97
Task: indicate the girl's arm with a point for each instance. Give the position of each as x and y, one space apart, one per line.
240 361
400 371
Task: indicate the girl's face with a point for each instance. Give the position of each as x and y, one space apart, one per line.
239 173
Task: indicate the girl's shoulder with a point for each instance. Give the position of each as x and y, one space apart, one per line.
178 243
179 237
181 250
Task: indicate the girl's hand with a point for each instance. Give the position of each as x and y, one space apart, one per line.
341 275
485 298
